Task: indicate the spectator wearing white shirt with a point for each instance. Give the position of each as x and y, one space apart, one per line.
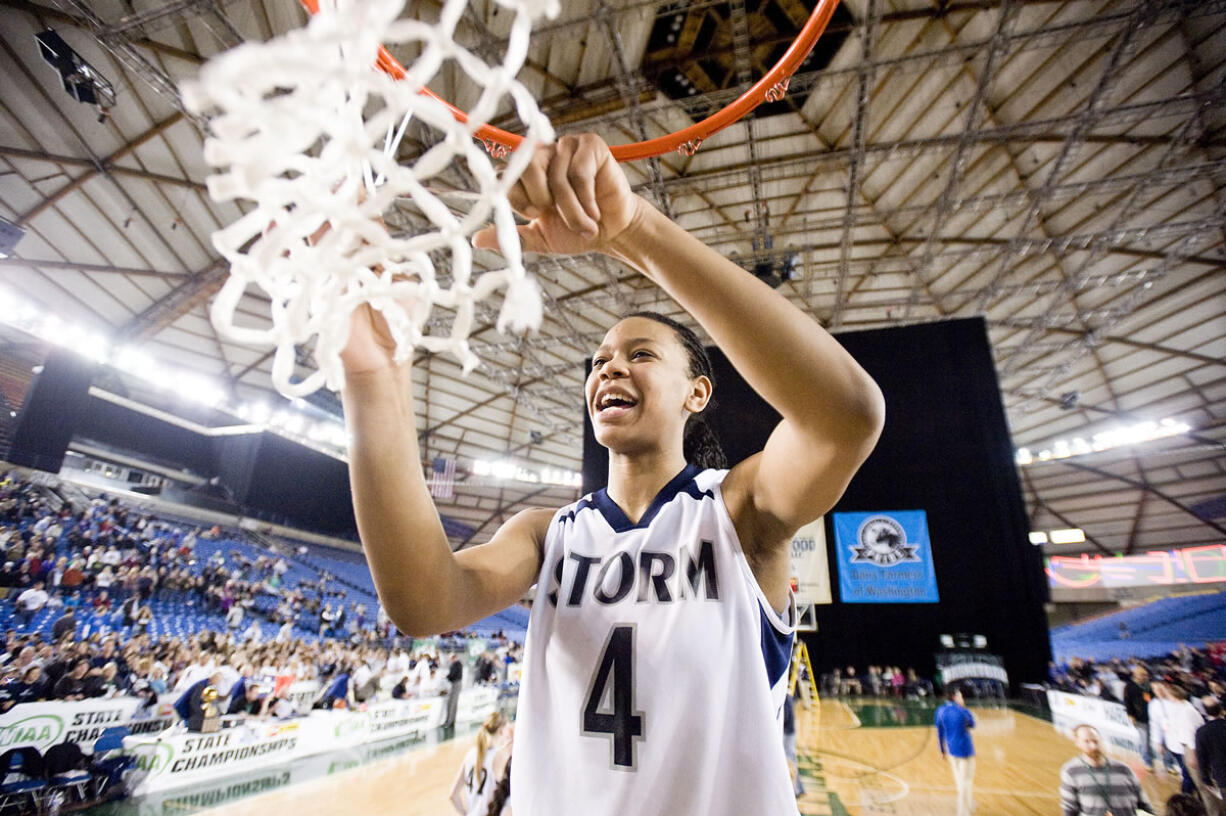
1182 721
432 682
31 602
57 571
1157 728
229 676
199 670
398 664
363 682
253 635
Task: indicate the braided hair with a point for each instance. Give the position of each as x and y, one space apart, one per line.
700 446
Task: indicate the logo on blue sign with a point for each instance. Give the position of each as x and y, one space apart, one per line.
883 542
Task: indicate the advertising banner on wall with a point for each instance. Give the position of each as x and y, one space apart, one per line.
810 570
885 557
179 758
1111 719
1189 565
41 725
167 758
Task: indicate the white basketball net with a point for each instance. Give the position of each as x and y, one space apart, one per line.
305 128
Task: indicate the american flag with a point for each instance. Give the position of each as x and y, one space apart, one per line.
442 477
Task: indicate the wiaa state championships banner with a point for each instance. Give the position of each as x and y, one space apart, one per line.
885 557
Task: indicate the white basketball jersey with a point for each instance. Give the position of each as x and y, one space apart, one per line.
479 783
654 668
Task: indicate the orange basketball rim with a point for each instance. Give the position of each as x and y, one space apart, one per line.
770 88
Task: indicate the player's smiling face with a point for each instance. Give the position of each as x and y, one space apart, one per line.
639 393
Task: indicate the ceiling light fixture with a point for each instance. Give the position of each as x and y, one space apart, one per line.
1136 434
1073 535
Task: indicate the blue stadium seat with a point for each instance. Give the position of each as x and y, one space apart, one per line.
1154 629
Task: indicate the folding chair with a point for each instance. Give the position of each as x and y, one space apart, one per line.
109 765
66 770
21 780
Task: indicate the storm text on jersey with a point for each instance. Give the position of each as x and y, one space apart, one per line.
654 577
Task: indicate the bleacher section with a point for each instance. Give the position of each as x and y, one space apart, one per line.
178 617
182 616
351 570
174 618
1154 629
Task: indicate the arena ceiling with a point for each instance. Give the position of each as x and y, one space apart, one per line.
1055 167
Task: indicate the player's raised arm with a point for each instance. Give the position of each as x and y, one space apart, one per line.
832 410
425 588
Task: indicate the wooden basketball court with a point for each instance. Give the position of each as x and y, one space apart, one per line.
880 757
857 758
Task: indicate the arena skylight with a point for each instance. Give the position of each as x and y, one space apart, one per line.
195 387
1135 434
327 436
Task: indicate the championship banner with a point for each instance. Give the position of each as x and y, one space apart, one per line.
810 571
885 557
178 758
41 725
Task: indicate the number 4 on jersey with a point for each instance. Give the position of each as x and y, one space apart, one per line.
610 700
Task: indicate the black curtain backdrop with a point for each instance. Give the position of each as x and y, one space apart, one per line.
54 406
299 487
266 475
123 430
946 450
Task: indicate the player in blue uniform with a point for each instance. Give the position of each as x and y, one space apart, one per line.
610 556
954 722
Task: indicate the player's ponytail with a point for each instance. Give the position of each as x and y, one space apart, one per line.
489 730
700 446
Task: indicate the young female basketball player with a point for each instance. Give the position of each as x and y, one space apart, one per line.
660 638
480 772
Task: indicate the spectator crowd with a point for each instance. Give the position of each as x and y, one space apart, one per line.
877 681
99 569
1176 704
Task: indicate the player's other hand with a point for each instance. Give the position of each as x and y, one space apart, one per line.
575 196
371 346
